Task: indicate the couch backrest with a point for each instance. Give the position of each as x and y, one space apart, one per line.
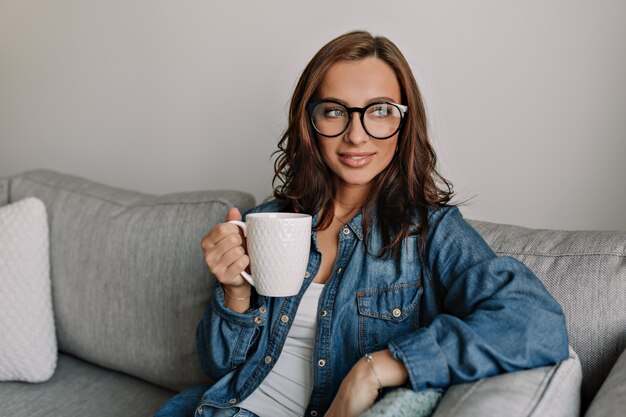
586 272
129 281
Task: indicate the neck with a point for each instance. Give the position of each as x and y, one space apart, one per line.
349 199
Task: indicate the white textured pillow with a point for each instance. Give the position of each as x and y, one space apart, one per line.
28 345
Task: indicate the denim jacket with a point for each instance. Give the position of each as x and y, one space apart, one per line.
462 315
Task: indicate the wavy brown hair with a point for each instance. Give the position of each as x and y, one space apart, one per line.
409 185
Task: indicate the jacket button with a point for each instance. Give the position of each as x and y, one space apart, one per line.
321 363
313 413
268 359
346 231
324 313
263 309
232 401
284 318
307 274
258 320
396 312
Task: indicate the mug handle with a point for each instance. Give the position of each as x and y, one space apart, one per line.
243 227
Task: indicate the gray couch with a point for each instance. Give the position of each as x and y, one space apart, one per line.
129 284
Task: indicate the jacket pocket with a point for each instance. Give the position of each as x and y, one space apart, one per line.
387 313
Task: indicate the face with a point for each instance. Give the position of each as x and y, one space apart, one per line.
355 157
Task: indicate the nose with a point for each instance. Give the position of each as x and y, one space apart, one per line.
356 132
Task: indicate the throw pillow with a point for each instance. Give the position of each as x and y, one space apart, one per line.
28 346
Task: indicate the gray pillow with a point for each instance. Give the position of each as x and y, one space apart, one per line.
549 391
611 399
129 280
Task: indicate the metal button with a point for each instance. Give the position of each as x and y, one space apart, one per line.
346 231
258 320
307 274
284 318
232 401
324 313
396 312
199 410
313 413
268 359
339 270
321 363
263 309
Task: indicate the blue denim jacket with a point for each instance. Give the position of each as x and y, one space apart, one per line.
463 315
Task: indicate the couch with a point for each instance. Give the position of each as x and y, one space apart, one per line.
129 284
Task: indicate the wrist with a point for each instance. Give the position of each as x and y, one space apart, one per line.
239 292
237 298
365 377
390 371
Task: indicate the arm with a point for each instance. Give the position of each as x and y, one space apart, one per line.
498 317
229 323
224 336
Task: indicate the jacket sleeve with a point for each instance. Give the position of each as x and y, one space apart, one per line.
224 336
496 315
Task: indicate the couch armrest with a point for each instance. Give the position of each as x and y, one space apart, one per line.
547 391
610 401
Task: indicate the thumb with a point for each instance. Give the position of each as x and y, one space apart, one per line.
233 214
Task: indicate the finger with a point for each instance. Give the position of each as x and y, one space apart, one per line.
232 256
214 252
234 214
232 274
219 232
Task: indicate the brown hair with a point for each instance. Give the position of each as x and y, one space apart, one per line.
410 182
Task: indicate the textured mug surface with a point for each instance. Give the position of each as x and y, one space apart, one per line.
278 247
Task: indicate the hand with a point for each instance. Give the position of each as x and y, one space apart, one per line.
225 255
357 392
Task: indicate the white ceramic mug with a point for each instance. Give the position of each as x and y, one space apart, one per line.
278 247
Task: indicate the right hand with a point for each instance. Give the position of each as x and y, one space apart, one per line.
225 254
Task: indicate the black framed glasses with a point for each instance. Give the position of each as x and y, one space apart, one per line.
381 119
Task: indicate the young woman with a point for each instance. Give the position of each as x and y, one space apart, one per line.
399 289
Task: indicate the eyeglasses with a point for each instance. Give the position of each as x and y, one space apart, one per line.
381 120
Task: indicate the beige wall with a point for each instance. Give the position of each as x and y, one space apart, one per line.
527 99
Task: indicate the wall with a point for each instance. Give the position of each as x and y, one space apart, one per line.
527 100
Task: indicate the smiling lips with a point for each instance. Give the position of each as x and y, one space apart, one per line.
356 159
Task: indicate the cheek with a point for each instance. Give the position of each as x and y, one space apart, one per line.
327 150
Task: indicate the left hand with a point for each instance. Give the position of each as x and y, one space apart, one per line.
357 392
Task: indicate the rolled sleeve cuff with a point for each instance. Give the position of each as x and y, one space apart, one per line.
254 317
423 359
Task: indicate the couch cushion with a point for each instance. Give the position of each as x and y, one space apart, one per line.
28 350
611 399
549 391
80 389
128 275
586 272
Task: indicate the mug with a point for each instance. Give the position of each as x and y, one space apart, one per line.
278 247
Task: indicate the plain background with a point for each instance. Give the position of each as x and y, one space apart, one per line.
527 100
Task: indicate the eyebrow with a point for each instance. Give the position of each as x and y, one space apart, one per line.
371 100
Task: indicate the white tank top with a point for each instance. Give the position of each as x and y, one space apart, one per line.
287 388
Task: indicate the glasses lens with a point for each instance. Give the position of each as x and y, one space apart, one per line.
330 119
382 120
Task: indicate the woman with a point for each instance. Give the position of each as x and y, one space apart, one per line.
400 290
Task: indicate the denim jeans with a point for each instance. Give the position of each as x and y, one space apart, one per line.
185 404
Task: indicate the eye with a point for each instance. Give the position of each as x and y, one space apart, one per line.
334 112
380 110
